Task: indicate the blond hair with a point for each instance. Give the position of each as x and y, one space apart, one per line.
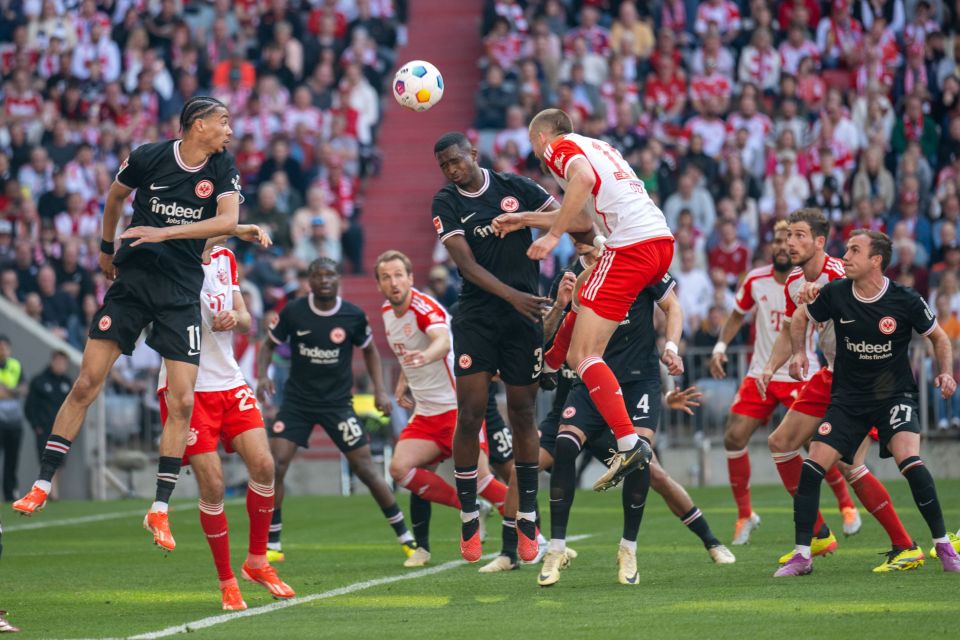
389 256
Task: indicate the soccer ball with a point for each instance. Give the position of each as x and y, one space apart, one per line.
418 85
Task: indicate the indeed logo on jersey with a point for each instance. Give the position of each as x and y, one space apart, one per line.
483 232
318 355
176 213
869 350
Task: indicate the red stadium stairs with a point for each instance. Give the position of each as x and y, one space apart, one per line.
396 210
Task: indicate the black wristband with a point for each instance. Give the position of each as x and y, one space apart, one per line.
106 247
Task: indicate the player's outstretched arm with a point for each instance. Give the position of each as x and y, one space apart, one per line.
718 361
508 222
527 304
247 232
943 351
224 223
112 211
670 305
371 358
580 183
438 348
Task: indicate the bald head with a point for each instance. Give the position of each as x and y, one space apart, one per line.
547 125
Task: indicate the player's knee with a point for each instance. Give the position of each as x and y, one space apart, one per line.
470 418
776 442
180 405
399 470
733 441
212 491
261 469
280 467
85 389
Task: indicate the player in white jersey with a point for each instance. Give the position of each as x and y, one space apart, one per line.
639 249
418 330
225 411
806 238
761 293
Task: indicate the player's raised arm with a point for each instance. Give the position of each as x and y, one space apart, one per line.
527 304
565 289
580 183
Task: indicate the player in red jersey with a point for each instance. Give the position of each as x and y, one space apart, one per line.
639 248
418 330
225 411
762 293
806 239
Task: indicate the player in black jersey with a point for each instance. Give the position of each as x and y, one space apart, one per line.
498 327
632 354
873 385
187 190
323 330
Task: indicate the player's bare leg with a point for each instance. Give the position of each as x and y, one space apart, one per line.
736 437
904 553
785 444
209 473
181 377
591 333
254 449
503 470
681 505
408 469
526 441
362 466
282 451
472 393
98 359
905 447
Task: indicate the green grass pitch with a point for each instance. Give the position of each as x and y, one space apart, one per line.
104 579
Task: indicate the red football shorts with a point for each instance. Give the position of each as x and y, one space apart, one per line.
218 417
439 430
621 274
749 403
814 397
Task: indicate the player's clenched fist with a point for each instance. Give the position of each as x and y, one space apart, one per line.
809 292
565 290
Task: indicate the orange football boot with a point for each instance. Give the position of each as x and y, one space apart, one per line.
158 523
267 576
35 500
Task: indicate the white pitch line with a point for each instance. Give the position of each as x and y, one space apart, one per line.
100 517
292 602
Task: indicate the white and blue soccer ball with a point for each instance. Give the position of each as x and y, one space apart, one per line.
418 85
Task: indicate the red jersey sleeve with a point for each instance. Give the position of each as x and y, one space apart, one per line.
558 156
428 312
791 306
744 299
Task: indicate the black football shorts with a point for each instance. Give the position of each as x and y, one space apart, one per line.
845 427
498 341
341 424
141 297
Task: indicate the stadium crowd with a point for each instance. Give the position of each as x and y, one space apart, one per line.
735 113
86 81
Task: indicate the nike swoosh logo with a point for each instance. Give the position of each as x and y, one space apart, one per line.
639 417
543 577
156 187
530 491
842 321
300 334
897 426
923 504
637 506
193 353
465 218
